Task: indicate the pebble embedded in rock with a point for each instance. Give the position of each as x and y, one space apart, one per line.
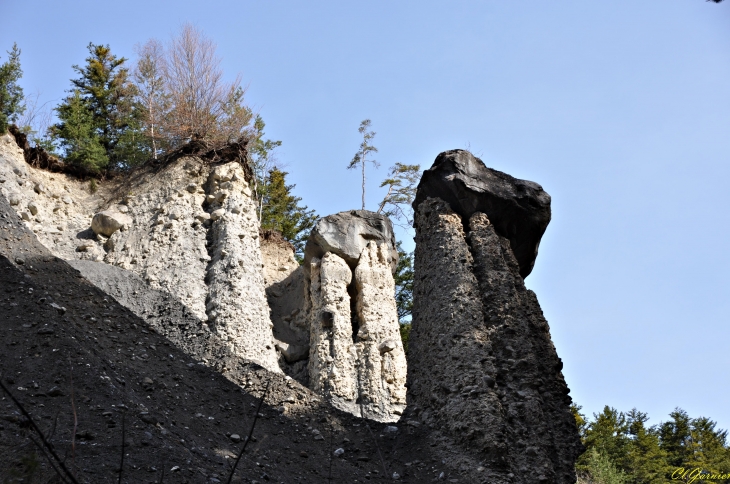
216 214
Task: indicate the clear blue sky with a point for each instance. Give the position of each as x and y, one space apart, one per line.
620 109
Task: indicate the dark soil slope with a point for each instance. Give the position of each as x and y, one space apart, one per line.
101 384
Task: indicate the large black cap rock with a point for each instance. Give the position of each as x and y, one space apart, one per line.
348 233
518 209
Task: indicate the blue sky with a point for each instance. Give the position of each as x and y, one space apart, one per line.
619 109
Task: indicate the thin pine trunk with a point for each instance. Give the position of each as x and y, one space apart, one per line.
363 180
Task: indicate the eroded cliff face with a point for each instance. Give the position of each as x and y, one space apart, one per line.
188 228
481 365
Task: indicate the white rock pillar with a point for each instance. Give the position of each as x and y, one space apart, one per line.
237 307
331 350
381 359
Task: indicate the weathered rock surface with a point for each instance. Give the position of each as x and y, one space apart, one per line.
108 221
356 354
287 293
348 233
518 209
481 363
236 307
381 361
214 268
332 353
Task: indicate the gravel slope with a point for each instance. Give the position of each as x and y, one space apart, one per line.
97 357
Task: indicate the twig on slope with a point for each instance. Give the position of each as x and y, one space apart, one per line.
124 437
250 432
332 437
49 459
76 420
66 473
162 477
382 461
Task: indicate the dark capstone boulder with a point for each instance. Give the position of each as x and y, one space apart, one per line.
519 210
348 233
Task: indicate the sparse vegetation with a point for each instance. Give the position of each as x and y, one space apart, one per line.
12 102
362 157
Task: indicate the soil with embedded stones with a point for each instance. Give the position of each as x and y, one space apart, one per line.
102 384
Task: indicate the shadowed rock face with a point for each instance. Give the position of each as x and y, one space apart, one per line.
348 233
481 364
518 209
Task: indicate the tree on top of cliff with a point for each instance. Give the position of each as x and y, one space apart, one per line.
366 149
77 135
281 211
203 106
11 94
107 96
401 192
261 160
152 95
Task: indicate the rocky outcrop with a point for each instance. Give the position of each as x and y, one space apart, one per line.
187 228
518 209
348 233
481 363
288 298
107 222
381 361
236 305
356 354
332 354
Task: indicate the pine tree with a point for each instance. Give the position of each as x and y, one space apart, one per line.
404 284
608 434
645 461
361 157
692 443
108 95
675 437
401 192
11 94
77 135
280 210
261 161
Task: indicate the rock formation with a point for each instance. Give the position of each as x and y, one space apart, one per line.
519 209
187 228
288 298
381 359
481 364
356 356
348 233
332 353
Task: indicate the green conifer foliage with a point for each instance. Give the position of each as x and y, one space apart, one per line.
280 210
645 461
11 94
77 135
621 446
694 442
404 284
112 113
